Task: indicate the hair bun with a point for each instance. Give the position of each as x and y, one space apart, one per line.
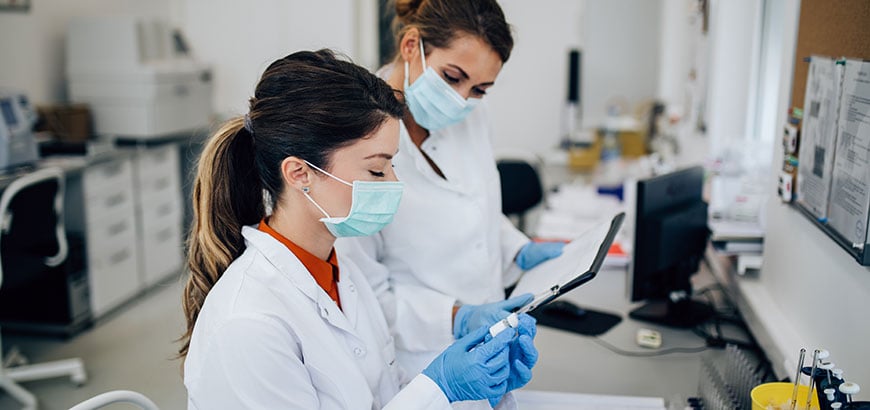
405 9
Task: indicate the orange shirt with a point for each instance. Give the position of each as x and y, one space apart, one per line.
325 273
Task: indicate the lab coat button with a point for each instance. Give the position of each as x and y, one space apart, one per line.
324 312
351 288
359 352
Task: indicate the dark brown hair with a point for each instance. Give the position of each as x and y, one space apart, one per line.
307 105
441 21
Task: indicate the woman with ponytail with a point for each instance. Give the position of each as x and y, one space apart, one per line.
275 318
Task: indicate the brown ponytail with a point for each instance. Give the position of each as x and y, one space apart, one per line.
307 105
227 194
441 21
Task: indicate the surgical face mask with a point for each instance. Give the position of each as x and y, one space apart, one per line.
434 103
372 208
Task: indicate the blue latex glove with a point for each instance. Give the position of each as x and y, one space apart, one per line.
473 368
471 317
523 355
533 253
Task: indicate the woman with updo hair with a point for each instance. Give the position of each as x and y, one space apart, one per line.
441 268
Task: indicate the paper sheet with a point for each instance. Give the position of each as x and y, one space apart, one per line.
576 259
850 195
819 134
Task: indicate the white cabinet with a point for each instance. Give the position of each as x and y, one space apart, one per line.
110 233
159 213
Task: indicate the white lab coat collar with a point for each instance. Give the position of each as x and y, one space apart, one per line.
293 270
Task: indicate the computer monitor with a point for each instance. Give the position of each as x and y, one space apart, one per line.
671 236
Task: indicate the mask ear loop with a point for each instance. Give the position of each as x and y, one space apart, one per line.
305 191
330 175
422 60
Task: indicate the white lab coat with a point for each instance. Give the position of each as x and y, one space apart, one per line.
268 337
448 242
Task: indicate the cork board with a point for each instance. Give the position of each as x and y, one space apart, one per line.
832 28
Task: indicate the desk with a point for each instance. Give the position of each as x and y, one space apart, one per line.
573 363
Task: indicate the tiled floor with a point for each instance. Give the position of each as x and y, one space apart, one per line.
132 349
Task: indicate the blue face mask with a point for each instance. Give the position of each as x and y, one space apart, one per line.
434 103
372 208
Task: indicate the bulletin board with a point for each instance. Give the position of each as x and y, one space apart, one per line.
832 28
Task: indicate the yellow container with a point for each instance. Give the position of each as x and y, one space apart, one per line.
586 158
778 396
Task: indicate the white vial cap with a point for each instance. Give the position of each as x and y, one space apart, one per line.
850 388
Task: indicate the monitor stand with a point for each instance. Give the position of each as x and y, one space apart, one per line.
684 313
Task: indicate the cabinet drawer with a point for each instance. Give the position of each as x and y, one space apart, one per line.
110 229
113 275
162 253
158 166
113 173
159 213
112 200
157 187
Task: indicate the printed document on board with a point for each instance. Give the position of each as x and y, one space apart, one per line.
576 259
818 134
850 199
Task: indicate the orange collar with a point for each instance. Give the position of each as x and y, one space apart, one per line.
325 273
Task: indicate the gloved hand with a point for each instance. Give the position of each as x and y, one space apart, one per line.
533 253
471 317
466 374
523 355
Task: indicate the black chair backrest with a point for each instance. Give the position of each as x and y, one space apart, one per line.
521 186
30 234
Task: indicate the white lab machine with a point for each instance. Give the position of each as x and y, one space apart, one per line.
137 76
17 144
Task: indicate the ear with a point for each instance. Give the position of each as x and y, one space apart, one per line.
409 47
296 173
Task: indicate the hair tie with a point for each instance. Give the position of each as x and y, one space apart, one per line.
248 125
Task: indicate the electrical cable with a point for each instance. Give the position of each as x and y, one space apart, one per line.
662 352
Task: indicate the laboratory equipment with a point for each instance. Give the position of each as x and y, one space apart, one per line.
728 383
573 111
812 377
797 378
670 239
17 144
137 76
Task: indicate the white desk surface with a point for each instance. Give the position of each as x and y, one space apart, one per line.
570 362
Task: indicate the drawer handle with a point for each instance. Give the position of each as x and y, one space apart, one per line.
117 228
119 257
115 199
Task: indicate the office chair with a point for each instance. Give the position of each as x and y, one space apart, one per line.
116 396
32 237
521 188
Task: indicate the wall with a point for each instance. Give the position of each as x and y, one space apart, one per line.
241 39
674 43
801 262
620 39
733 33
31 44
